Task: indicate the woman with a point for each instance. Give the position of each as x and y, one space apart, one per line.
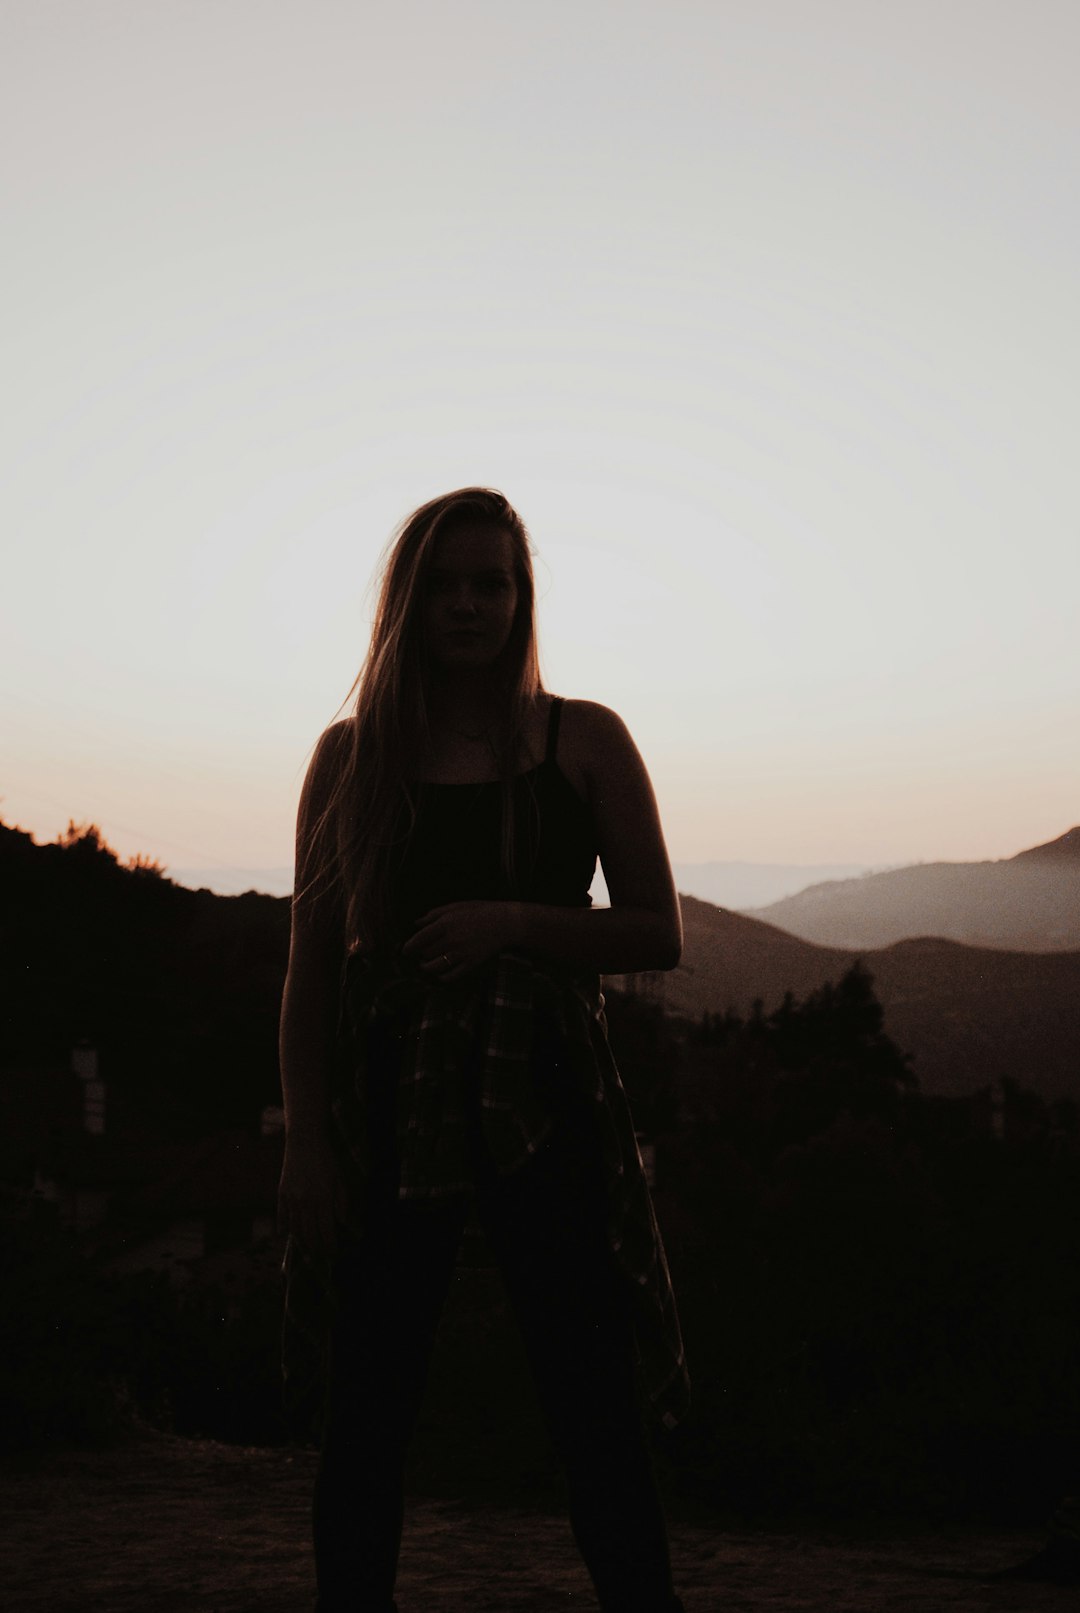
443 1045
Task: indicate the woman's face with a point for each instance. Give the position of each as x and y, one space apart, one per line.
470 597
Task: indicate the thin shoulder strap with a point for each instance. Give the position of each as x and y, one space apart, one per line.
553 728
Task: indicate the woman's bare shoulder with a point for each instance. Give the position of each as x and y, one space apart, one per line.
327 757
588 723
332 739
593 741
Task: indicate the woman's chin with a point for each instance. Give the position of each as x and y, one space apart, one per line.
474 657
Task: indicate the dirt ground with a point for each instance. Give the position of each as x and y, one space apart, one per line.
166 1525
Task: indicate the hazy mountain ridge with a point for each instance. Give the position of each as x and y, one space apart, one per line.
969 1016
743 885
748 885
1066 846
1026 903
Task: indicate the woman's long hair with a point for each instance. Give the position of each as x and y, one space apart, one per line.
370 813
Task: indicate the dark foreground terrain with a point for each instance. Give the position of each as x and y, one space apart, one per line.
187 1526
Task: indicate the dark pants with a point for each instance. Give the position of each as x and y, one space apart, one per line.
547 1226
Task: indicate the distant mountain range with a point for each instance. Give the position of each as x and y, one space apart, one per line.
748 885
730 884
977 965
970 1016
1027 903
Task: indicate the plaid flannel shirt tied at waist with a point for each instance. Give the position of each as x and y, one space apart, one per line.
479 1036
495 1034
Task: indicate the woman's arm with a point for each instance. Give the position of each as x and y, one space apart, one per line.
642 929
310 1197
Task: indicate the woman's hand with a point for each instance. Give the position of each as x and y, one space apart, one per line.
312 1198
450 943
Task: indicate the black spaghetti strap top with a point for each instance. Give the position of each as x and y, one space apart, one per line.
454 852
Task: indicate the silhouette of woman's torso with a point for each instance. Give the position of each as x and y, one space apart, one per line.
454 852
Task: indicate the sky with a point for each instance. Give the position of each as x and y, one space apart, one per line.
762 315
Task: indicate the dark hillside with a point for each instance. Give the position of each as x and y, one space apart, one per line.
969 1016
178 990
861 1264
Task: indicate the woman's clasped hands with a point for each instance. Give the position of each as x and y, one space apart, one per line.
450 943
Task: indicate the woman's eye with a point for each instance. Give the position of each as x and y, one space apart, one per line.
440 586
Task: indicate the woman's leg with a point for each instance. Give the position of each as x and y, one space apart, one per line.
390 1286
547 1224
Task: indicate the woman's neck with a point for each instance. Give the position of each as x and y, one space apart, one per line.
469 732
463 703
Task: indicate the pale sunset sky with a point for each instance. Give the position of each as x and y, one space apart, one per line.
763 314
